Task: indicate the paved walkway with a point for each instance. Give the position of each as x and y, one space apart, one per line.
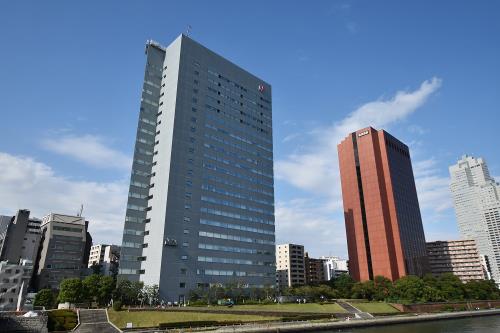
95 321
355 311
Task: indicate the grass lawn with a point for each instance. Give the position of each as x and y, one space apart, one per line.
374 307
154 318
289 307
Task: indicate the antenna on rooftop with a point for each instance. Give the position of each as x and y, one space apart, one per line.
188 29
79 214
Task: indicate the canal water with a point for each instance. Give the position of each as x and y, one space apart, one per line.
487 324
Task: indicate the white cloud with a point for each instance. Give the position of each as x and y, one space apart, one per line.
384 112
89 149
315 170
26 183
310 222
432 188
415 129
290 137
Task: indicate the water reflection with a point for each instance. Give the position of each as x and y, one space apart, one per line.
488 324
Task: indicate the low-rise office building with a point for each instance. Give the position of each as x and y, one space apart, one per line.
459 257
64 250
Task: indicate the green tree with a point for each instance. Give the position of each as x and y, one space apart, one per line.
324 292
90 287
431 294
129 293
409 288
382 288
481 290
45 298
105 290
364 290
451 287
70 290
152 294
343 285
430 280
268 291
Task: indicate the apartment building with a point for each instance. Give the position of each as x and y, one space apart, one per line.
459 257
290 266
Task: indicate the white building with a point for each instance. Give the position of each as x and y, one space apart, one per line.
290 265
105 256
476 197
334 266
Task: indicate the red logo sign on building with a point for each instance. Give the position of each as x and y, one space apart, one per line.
261 87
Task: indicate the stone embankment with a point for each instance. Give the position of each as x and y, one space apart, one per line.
318 326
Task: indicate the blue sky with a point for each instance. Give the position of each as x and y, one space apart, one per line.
70 80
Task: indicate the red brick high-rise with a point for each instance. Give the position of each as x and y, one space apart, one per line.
384 228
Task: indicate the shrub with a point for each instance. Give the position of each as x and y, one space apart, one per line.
117 305
61 320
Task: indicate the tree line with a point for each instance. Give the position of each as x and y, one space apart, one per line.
236 291
408 289
100 290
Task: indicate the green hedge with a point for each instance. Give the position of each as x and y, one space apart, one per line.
61 320
184 324
307 317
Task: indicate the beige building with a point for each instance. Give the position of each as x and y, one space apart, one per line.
64 249
290 266
459 257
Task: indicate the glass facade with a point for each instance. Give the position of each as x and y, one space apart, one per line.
133 235
201 201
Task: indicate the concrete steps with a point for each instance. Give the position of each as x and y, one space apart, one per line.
94 321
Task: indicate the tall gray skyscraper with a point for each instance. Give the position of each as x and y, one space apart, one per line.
476 197
201 200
